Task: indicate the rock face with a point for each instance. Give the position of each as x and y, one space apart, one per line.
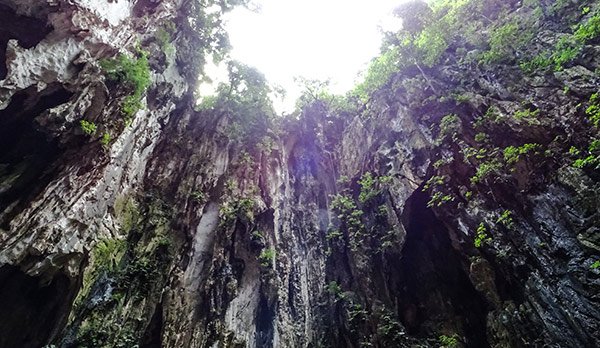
431 217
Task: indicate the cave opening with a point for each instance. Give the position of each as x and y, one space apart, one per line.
27 152
32 310
437 293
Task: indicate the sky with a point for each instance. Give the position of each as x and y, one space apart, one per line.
314 39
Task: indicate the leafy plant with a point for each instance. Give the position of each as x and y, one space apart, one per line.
504 41
246 100
591 157
333 234
267 257
593 110
506 219
334 288
350 216
438 198
448 341
87 127
368 187
379 72
198 196
134 73
450 125
257 236
485 170
481 236
513 154
588 30
105 140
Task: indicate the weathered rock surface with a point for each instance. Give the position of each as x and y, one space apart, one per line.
173 234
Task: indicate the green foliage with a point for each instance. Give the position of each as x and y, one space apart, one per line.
506 219
134 73
593 110
368 188
589 30
450 125
235 209
105 140
481 137
334 288
267 257
485 170
526 114
266 145
448 341
127 212
343 180
591 157
257 236
245 158
333 234
540 61
492 115
436 180
504 41
198 196
379 72
468 195
595 265
87 127
481 236
163 37
350 217
246 101
438 198
431 44
567 48
318 91
513 154
389 328
108 253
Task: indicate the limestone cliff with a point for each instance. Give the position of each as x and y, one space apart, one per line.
457 205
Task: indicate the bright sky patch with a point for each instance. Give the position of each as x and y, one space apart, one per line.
315 39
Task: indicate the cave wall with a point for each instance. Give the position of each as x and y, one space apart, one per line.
174 234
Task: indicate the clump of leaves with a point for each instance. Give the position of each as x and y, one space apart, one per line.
367 187
481 236
246 100
513 154
334 288
506 219
350 216
105 140
504 40
450 125
134 73
591 157
593 110
267 257
448 341
198 196
87 127
485 170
